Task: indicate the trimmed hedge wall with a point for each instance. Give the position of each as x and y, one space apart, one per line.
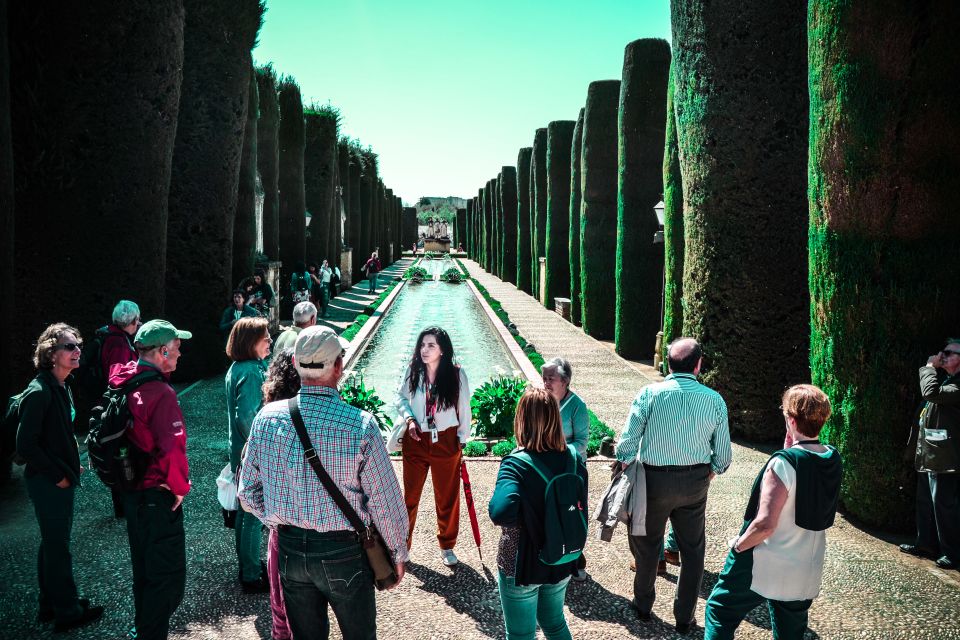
319 169
742 118
642 118
576 150
293 226
508 203
524 235
346 191
598 213
538 207
245 223
672 230
268 158
884 173
557 227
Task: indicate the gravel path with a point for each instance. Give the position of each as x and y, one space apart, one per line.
870 590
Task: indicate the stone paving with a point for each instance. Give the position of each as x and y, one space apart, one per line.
870 590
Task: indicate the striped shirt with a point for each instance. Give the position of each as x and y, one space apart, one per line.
677 422
279 487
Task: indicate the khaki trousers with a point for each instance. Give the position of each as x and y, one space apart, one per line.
442 459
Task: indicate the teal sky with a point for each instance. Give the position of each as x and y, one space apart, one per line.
447 92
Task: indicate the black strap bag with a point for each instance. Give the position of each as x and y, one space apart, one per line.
379 556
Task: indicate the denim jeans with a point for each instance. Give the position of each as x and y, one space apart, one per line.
249 534
320 569
524 607
374 278
54 509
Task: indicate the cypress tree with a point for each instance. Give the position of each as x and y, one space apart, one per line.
319 167
367 194
884 171
293 224
538 207
345 190
245 224
497 224
524 236
557 227
268 158
742 118
410 234
218 36
468 244
490 229
672 230
508 203
461 227
482 229
354 221
91 166
379 244
598 213
388 221
641 121
7 305
575 201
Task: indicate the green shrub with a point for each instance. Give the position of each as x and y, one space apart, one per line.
504 448
355 393
453 275
474 449
596 432
493 406
417 274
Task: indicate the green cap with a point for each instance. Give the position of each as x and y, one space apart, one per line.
158 332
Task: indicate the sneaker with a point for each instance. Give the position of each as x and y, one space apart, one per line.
580 575
945 563
87 615
47 615
449 557
916 550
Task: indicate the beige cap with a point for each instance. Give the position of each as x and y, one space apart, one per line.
318 347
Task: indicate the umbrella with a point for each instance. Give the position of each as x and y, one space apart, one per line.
471 509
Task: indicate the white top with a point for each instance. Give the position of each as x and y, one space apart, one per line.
416 406
325 274
789 564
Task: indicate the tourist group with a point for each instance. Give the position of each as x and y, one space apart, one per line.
316 473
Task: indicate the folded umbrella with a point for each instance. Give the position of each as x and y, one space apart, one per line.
471 509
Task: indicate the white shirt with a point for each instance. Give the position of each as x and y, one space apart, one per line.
325 275
789 564
415 406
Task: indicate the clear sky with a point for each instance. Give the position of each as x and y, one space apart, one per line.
447 92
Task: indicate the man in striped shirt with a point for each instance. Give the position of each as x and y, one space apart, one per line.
678 429
320 556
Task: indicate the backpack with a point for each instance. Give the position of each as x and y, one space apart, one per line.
91 379
8 432
564 521
118 463
300 282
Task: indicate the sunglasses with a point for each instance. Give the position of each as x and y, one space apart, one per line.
948 353
70 346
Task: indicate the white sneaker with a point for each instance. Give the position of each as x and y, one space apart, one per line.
449 557
580 575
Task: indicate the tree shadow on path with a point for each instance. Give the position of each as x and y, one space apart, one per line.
466 591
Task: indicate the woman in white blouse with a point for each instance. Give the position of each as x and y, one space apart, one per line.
778 556
434 401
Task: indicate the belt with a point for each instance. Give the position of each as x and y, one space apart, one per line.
674 467
318 535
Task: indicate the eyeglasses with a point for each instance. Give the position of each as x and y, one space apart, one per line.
70 346
948 353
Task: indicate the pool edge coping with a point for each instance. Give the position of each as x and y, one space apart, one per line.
360 340
513 348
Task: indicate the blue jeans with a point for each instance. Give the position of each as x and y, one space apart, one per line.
320 569
374 278
249 533
524 607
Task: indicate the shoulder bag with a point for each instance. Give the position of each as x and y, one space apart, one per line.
379 556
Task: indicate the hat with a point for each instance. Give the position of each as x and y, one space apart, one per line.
318 347
158 332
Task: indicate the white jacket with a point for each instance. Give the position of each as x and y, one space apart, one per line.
415 406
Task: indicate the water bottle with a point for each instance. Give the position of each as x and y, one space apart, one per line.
126 465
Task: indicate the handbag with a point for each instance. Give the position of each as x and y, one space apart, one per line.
379 556
395 441
227 489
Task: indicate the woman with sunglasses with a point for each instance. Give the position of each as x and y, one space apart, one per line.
249 347
46 442
434 400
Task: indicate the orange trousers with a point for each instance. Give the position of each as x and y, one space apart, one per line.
442 459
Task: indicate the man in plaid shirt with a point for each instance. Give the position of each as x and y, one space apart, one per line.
320 558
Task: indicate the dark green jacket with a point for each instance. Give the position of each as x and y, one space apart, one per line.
45 435
227 320
518 501
938 443
244 384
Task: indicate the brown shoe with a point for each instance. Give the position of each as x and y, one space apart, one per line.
672 557
662 568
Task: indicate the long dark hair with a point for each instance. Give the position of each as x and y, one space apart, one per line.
447 382
282 381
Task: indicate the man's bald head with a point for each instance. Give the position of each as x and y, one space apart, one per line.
683 356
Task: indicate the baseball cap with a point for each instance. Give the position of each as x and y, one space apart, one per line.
318 347
158 332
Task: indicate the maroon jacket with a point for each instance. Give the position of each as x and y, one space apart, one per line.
117 349
157 428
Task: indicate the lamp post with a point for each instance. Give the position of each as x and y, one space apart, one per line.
658 209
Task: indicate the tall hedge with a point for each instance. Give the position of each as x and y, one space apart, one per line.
7 303
468 240
490 228
368 184
508 204
319 169
481 227
598 212
672 229
557 227
576 151
92 166
538 207
268 158
245 222
497 226
354 221
741 104
642 118
388 203
461 235
524 235
410 233
293 225
345 191
884 173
